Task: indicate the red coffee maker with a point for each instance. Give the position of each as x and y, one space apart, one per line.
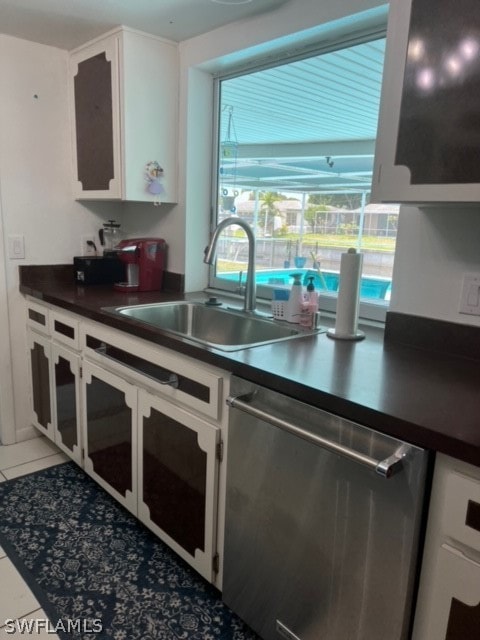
144 260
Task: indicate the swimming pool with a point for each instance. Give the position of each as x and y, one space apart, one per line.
370 287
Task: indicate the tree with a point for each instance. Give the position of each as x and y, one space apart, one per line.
339 200
316 214
268 211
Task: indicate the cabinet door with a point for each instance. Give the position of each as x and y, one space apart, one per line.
94 90
66 397
109 433
455 598
428 139
177 482
41 382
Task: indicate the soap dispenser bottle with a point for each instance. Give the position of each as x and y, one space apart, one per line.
295 299
310 306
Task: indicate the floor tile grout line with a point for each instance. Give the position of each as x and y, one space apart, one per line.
25 615
20 464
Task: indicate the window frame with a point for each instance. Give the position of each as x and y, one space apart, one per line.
368 310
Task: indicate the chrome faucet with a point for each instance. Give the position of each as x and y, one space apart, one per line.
250 289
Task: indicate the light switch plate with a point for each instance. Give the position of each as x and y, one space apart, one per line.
470 300
16 247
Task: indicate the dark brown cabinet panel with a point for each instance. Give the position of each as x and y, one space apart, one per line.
439 129
428 140
66 404
463 622
94 123
109 433
174 480
39 348
178 475
66 399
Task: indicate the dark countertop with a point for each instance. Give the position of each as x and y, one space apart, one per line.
422 395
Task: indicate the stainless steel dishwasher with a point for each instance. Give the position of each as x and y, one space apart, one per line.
322 522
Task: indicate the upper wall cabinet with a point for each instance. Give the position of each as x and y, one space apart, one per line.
124 113
428 144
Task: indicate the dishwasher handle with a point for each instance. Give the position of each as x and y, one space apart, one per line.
385 468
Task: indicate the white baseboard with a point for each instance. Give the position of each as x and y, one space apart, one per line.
27 433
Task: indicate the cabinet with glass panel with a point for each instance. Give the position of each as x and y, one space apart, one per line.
123 96
429 134
152 435
55 376
143 422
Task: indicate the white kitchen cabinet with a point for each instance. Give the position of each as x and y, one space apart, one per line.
66 401
54 369
448 606
124 97
41 383
153 439
144 422
429 136
39 367
109 433
179 379
178 459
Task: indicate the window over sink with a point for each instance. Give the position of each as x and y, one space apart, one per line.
294 158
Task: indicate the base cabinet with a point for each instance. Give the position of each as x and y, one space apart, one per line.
178 474
143 422
448 606
66 401
54 367
39 349
109 434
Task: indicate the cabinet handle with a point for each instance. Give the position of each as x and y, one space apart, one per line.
171 380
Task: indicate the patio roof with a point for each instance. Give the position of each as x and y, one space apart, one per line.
307 126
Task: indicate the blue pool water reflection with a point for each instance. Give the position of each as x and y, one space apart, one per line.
370 288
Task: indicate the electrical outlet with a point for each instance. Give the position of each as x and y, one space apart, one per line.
470 300
88 246
16 247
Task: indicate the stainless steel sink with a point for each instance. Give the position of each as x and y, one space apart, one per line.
225 329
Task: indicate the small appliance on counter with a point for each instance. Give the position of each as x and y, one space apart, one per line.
110 235
98 269
144 260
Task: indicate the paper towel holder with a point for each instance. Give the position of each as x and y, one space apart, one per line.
348 298
358 335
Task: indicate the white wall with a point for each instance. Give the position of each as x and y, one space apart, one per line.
36 200
435 247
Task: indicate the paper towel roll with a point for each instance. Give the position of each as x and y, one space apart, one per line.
348 297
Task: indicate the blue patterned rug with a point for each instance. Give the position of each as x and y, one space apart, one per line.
97 572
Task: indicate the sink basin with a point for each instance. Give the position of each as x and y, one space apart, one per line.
222 328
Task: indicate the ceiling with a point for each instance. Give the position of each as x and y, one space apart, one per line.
70 23
306 126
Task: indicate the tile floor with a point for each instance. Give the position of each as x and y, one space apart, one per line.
17 602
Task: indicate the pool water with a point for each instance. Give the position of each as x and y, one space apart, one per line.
372 288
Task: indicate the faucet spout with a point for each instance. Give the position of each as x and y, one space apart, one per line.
250 289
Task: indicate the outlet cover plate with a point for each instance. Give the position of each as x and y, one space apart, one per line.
470 300
16 247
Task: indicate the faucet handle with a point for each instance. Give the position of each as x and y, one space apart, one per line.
240 288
